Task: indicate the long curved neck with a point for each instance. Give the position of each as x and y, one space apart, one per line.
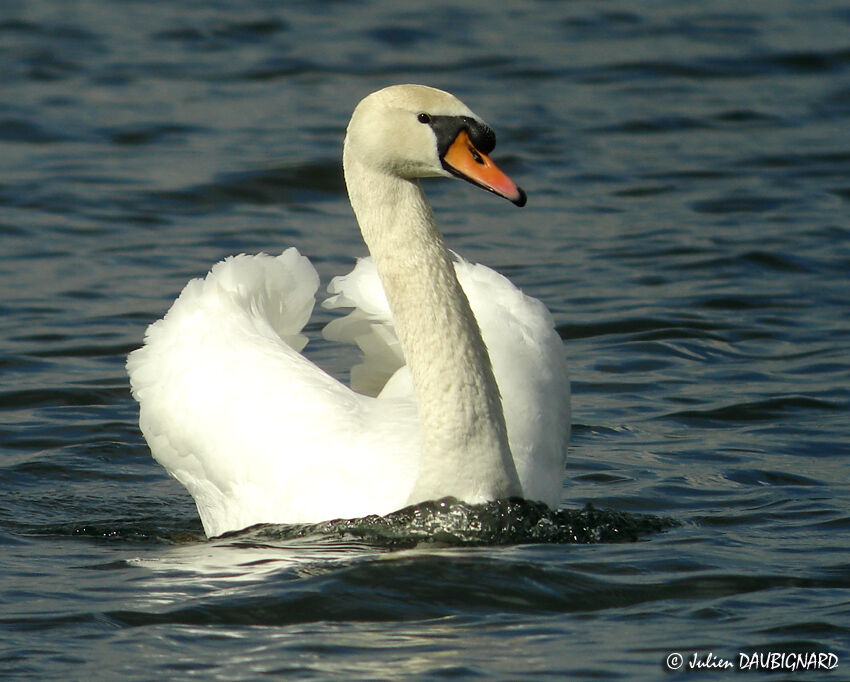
465 450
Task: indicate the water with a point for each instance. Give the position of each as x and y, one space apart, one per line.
688 171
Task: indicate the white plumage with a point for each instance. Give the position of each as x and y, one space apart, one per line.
259 434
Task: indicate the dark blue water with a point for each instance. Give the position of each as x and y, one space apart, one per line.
688 171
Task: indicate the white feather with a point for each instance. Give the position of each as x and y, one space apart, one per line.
259 434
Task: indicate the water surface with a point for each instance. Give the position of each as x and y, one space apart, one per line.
688 172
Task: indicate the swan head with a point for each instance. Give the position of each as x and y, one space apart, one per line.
414 131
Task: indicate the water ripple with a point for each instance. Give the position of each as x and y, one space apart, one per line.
687 167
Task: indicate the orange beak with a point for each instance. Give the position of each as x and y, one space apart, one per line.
465 161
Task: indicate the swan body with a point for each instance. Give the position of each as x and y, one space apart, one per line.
462 388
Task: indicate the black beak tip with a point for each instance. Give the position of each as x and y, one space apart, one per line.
521 199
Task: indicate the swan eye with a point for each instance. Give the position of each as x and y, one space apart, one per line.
424 118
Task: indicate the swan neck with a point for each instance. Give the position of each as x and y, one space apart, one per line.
465 450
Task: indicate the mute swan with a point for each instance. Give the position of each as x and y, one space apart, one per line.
259 434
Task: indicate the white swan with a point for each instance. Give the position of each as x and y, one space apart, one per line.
259 434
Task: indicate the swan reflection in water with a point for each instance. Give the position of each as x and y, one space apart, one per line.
445 527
